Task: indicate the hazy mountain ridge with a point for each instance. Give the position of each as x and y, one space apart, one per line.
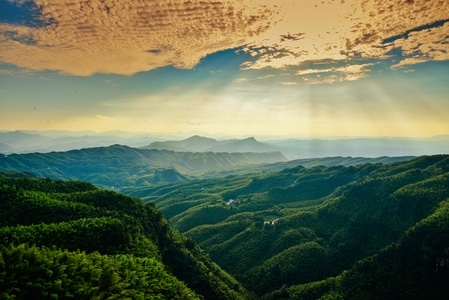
35 141
311 162
314 148
48 141
198 143
118 166
6 149
304 225
364 147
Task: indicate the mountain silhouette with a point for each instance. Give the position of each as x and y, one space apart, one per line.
198 143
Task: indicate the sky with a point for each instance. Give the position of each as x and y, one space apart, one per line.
273 68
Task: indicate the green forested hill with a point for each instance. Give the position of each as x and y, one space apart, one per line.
119 166
71 240
370 231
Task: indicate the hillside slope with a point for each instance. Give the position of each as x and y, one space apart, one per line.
67 239
118 166
303 225
415 267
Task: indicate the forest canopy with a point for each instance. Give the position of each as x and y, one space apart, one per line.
366 231
71 240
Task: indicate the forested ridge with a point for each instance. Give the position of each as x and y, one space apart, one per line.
366 231
71 240
370 231
117 166
120 166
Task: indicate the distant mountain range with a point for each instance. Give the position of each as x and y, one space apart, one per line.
204 144
48 141
362 147
313 148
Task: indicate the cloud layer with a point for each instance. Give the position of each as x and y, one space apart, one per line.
83 37
125 37
354 31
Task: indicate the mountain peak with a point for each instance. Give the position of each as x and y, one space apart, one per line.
199 138
197 143
250 139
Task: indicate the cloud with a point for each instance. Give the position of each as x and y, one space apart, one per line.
81 37
287 83
353 30
326 71
126 37
424 45
246 79
111 83
342 73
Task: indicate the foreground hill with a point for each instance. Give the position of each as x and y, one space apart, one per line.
118 166
370 231
71 240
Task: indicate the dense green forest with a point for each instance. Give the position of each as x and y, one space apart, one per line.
71 240
352 231
369 231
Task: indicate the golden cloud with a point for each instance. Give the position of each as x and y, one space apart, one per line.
353 29
126 37
129 36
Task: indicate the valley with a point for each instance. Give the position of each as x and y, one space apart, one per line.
330 227
302 225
